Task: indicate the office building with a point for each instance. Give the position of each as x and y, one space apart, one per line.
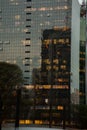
86 47
27 30
83 54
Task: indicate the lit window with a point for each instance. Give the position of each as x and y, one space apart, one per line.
25 30
67 40
24 42
55 41
17 17
48 67
63 67
56 61
60 107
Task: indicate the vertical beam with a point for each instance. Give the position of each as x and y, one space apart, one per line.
51 83
64 117
17 109
0 113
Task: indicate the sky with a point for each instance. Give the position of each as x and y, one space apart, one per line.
80 1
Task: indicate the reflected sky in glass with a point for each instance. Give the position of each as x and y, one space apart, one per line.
44 15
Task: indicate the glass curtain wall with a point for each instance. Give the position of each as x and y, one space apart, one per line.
36 35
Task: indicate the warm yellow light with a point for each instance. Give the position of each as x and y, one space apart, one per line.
25 122
17 17
60 107
38 122
46 86
21 121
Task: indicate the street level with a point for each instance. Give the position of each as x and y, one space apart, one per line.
34 128
29 128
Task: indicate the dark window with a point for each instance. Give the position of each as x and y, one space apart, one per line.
26 77
28 19
27 58
27 64
27 51
26 71
27 38
27 45
28 13
28 26
28 32
28 6
28 0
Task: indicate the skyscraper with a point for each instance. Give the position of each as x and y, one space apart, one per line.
27 28
83 54
21 29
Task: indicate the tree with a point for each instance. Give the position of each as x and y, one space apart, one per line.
11 77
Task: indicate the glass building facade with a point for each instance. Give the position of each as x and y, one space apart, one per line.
83 55
86 46
39 37
22 24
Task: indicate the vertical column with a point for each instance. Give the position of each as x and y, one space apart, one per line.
51 83
27 42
